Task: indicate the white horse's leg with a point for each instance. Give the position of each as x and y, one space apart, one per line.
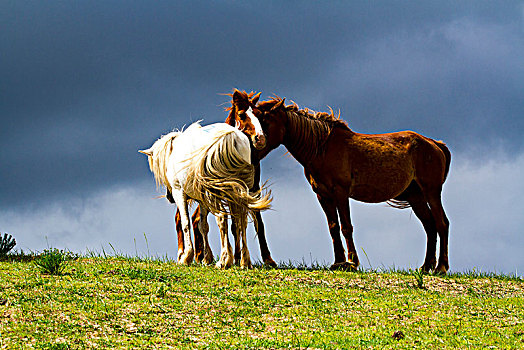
180 242
181 201
241 217
204 230
226 252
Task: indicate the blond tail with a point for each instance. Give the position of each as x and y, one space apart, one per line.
222 177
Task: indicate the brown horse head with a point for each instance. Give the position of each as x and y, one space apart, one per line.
272 115
242 116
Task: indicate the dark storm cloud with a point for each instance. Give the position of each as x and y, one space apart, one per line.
85 84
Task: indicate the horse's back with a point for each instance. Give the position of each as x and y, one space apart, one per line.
430 158
197 138
235 137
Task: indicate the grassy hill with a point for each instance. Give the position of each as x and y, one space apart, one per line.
117 302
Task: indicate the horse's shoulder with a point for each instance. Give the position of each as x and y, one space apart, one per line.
217 127
193 127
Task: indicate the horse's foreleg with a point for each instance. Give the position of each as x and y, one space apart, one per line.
199 243
347 231
204 230
179 233
245 259
259 224
181 201
330 209
264 250
226 252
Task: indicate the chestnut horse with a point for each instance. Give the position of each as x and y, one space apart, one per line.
241 117
403 168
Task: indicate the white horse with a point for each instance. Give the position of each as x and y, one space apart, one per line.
211 165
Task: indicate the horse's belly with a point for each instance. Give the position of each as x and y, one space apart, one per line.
370 194
379 187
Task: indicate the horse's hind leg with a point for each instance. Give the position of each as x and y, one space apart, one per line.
420 207
205 249
239 215
431 168
236 238
442 223
245 258
226 252
181 201
330 209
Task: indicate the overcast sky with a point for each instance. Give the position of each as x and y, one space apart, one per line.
85 84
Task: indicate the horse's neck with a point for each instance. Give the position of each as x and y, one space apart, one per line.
305 137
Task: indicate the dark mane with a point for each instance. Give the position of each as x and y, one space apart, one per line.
310 129
329 118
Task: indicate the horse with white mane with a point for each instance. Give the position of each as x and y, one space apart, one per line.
211 165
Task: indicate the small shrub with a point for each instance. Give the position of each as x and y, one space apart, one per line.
53 261
7 242
419 278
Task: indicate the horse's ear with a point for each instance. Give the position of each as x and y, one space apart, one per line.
255 99
147 152
240 100
278 105
237 96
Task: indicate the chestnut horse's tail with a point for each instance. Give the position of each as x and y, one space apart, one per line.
400 204
447 154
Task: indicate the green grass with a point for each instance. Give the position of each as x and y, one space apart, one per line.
117 302
53 261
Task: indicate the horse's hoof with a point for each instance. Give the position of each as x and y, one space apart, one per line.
245 263
270 263
223 265
179 256
441 270
208 260
423 269
427 268
186 259
344 266
183 262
